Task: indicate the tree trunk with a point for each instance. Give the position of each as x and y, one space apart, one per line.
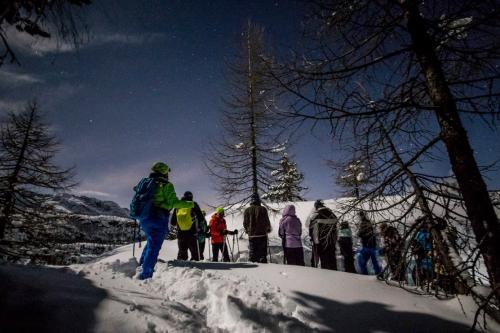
441 247
476 198
251 104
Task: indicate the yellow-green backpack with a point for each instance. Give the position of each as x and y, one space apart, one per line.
184 220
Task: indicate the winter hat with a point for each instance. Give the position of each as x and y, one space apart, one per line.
289 210
255 200
160 167
318 203
219 210
344 225
188 196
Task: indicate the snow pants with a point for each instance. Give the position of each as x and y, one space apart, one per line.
216 247
187 240
258 249
155 230
345 245
325 256
294 256
368 253
201 244
396 264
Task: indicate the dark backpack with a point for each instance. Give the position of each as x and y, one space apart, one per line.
142 202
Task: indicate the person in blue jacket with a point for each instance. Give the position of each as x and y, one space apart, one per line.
154 222
422 249
368 250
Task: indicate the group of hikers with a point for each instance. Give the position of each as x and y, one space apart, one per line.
155 199
326 232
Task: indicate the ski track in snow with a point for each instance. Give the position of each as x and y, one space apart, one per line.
189 299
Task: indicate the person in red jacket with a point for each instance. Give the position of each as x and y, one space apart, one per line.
218 231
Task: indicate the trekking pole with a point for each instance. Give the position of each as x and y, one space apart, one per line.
231 249
268 249
209 250
139 234
233 245
283 243
238 244
196 238
134 239
224 247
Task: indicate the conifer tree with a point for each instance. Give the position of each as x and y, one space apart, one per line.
352 176
244 152
287 182
27 167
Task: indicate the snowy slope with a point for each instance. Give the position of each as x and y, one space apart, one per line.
104 296
216 297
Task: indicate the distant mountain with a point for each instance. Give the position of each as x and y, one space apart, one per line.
74 230
73 204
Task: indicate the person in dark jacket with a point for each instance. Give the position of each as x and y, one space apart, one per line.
187 237
290 230
368 250
257 226
323 233
203 234
345 245
393 250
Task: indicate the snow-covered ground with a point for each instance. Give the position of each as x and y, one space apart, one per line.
104 296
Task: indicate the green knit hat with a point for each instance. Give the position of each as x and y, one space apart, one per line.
161 167
219 210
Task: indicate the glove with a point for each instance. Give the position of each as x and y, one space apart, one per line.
235 232
208 235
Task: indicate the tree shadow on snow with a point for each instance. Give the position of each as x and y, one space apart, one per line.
366 317
271 322
43 299
210 265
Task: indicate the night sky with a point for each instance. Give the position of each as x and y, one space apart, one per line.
148 85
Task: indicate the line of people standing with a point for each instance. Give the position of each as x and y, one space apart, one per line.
325 231
155 198
192 231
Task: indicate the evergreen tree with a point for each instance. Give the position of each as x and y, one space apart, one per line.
287 182
27 168
352 176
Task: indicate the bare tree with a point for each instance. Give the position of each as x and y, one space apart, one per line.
27 168
247 149
38 18
425 65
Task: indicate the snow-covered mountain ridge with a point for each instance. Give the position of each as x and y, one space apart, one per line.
83 205
72 229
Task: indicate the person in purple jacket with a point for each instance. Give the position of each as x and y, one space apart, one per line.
290 231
